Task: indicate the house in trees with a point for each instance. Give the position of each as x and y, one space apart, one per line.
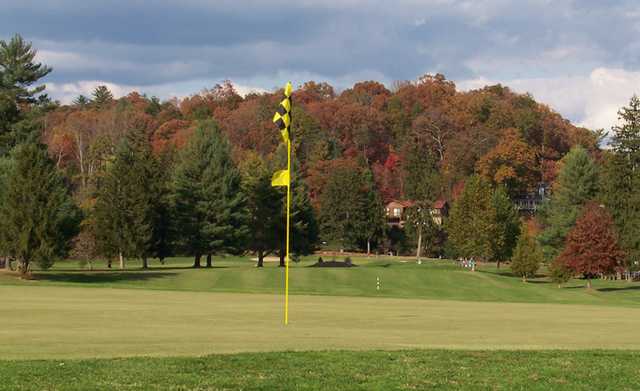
439 211
529 203
396 212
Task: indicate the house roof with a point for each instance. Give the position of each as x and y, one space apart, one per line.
402 204
439 204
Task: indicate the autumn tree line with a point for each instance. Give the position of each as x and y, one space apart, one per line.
141 178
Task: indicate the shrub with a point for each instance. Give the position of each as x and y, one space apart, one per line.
526 258
560 272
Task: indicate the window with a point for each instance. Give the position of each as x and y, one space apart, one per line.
397 212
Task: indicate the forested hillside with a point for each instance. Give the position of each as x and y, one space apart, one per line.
140 178
508 138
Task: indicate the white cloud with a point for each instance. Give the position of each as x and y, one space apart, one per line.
67 92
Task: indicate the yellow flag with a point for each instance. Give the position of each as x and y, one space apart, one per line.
282 117
280 178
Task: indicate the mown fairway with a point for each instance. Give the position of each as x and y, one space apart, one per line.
419 306
48 322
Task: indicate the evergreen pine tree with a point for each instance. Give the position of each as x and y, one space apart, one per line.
304 225
38 216
6 167
210 206
472 226
527 257
101 97
373 222
577 183
18 73
164 231
620 182
508 226
264 204
626 137
303 219
81 101
421 186
350 207
129 201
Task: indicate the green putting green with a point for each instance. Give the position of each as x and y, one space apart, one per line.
68 322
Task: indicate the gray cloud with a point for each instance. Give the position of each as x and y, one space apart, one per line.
262 43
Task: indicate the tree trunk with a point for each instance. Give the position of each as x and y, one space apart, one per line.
588 283
419 249
524 278
145 263
196 261
260 258
209 260
7 264
368 247
23 268
282 256
121 260
498 264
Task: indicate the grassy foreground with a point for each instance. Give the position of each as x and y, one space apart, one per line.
65 322
340 370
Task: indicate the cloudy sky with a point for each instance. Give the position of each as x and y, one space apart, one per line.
581 57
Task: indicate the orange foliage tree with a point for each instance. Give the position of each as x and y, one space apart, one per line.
512 162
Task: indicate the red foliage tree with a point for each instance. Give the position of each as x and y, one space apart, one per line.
592 245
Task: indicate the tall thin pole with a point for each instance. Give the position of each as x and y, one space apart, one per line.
286 273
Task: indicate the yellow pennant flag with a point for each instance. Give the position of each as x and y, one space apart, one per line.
280 178
282 117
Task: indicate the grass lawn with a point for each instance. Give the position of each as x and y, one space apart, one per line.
439 280
70 322
340 370
73 329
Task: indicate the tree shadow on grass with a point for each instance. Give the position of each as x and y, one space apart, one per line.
626 288
538 281
186 268
100 277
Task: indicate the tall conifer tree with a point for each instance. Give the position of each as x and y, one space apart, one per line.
129 201
620 182
508 226
350 207
38 216
18 74
209 203
472 225
577 183
264 204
